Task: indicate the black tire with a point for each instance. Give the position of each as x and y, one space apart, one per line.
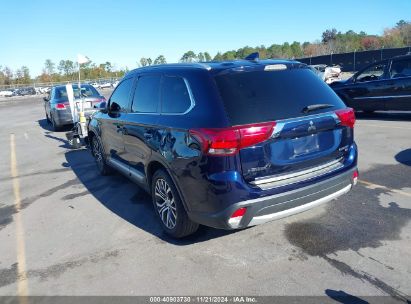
183 226
56 127
99 156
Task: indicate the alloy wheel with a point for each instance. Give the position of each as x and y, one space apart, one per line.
165 203
98 154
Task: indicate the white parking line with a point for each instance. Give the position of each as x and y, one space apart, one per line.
375 186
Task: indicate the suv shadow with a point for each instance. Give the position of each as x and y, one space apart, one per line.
126 199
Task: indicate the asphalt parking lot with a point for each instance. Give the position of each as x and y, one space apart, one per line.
65 230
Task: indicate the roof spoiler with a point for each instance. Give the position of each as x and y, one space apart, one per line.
253 57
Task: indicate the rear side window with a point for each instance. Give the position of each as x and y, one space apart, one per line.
260 96
147 94
175 96
121 96
401 68
61 93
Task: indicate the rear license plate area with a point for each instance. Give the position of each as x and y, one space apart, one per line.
305 145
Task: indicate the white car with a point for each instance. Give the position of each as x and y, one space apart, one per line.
6 93
96 85
106 85
326 73
44 90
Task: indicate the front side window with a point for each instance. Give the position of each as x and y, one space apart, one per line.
175 97
147 94
401 68
121 96
373 72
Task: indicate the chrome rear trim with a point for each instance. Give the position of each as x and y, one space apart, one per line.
299 175
280 124
257 220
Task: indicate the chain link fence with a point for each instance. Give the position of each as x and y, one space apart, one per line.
354 61
35 84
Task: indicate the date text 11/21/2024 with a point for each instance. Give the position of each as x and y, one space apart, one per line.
203 299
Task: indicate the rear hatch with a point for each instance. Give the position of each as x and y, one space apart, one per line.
309 127
89 95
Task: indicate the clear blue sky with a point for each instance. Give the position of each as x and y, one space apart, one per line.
123 31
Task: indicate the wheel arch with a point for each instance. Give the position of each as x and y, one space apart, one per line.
155 165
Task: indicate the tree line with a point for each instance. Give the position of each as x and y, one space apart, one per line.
331 42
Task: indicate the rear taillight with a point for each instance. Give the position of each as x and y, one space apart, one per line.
60 106
346 116
228 141
236 217
355 177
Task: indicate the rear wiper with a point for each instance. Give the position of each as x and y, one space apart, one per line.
314 107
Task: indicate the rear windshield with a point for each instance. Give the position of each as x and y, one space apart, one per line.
260 96
86 91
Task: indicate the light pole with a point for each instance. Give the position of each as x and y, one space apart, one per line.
354 60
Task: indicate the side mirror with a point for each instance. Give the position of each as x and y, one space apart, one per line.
114 107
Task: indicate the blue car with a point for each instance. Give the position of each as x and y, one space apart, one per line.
227 144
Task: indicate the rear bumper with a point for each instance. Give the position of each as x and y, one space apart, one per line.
268 208
63 117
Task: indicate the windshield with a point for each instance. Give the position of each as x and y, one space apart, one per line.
259 96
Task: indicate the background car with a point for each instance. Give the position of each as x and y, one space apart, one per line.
381 86
24 91
95 84
105 85
6 93
57 107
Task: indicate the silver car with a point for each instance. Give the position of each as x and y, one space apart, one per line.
57 106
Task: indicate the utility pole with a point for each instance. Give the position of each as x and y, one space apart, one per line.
354 60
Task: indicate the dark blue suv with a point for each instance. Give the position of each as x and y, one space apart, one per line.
227 145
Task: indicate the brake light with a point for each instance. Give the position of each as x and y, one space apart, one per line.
347 117
228 141
60 106
239 212
355 177
235 219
